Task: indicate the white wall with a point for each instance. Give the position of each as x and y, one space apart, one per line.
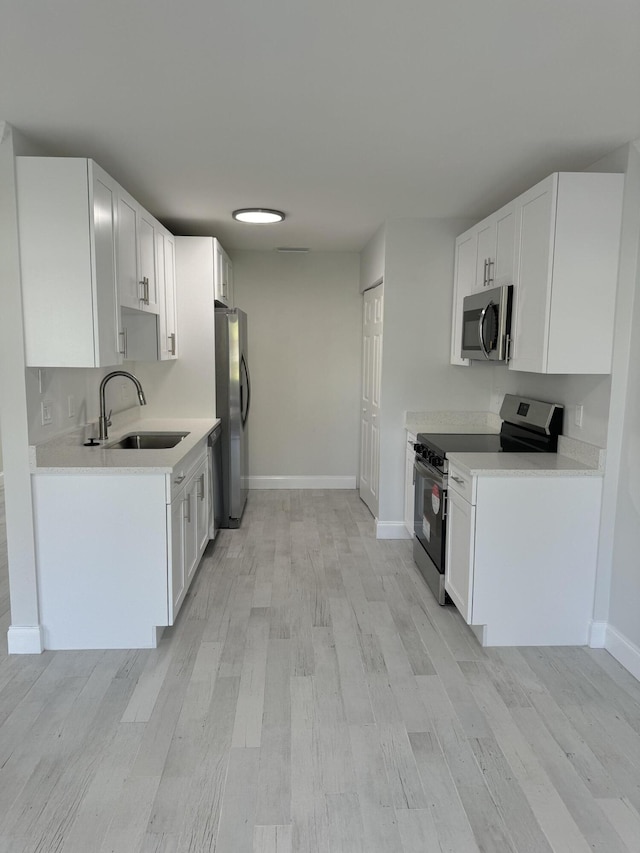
372 260
590 392
618 589
304 327
24 633
55 385
416 374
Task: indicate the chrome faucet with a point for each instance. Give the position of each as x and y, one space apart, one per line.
104 421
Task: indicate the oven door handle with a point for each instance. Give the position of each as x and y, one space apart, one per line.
421 468
483 314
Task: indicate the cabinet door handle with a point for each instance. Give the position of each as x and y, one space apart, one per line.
490 263
145 290
123 335
179 479
484 276
187 500
201 479
172 344
458 480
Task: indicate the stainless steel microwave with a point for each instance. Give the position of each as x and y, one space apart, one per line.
486 324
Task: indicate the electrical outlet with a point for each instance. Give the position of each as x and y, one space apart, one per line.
578 416
46 410
71 406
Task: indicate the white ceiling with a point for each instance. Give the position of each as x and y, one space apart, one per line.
343 113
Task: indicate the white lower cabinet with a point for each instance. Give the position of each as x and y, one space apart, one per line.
117 552
188 523
460 544
521 555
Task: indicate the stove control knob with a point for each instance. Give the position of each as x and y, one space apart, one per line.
437 461
424 453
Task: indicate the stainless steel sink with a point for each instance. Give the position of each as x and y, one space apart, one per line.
147 441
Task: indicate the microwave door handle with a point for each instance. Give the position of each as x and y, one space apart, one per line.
483 314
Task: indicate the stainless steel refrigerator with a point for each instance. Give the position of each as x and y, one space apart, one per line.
233 398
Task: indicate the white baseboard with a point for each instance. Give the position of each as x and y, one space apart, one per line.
623 650
598 635
25 640
302 482
391 530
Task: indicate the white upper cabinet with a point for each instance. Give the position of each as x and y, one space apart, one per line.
568 239
127 250
66 222
464 279
222 275
495 249
484 258
136 270
148 273
558 245
166 272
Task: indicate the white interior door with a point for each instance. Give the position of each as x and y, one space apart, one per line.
371 381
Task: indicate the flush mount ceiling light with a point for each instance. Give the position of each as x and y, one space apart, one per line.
258 214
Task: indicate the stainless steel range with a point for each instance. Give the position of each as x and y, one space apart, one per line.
528 426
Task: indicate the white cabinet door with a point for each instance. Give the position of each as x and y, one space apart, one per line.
137 274
228 280
503 269
495 249
165 271
532 297
170 302
568 240
485 252
147 277
176 568
189 525
202 497
66 223
458 580
107 343
222 275
371 382
409 484
190 531
127 254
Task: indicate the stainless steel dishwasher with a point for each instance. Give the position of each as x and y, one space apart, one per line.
215 516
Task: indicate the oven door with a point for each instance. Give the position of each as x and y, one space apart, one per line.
486 320
429 513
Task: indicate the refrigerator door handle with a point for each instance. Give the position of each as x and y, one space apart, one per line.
245 414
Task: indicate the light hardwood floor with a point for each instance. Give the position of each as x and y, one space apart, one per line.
314 697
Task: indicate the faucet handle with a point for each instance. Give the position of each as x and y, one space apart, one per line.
109 417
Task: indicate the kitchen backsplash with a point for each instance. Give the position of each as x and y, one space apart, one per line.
67 398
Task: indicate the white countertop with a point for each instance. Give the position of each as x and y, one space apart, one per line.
521 464
588 458
66 454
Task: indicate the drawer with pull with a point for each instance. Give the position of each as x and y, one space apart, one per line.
463 483
184 470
